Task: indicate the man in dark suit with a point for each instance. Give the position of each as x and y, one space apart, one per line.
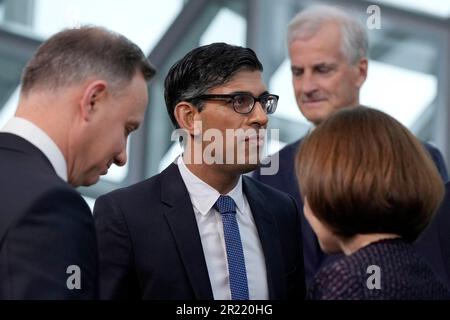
434 243
328 50
199 229
79 100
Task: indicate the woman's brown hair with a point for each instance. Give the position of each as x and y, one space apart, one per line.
362 172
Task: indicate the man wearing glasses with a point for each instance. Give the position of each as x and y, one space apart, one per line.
200 229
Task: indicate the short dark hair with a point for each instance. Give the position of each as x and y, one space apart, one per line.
362 172
74 55
203 69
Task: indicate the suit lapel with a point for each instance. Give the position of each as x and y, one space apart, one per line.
268 234
181 219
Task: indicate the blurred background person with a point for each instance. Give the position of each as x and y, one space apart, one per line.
328 50
434 242
369 190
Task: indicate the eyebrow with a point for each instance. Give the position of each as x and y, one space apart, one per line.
326 64
318 64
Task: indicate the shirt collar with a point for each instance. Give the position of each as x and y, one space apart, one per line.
37 137
203 196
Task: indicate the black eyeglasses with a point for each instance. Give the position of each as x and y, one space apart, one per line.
243 102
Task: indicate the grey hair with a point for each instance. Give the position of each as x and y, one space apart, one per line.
355 43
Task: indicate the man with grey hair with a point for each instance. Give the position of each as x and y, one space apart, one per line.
328 49
82 93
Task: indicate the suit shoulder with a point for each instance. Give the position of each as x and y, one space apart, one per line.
58 192
284 157
141 189
63 202
434 152
268 191
289 149
24 172
430 146
32 190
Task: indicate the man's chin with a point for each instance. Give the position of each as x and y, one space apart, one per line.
246 168
316 118
315 115
91 181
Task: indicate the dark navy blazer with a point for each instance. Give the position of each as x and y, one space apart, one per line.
150 246
45 227
285 180
434 243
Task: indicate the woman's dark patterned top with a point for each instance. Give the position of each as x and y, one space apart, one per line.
387 269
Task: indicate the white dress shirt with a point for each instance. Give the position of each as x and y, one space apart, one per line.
37 137
209 221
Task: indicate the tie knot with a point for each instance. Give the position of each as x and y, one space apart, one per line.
225 204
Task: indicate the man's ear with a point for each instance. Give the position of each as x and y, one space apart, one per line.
186 115
93 94
362 66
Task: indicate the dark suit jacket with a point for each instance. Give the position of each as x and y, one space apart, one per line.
45 227
285 180
434 243
150 247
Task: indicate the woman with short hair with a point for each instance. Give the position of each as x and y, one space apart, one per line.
369 190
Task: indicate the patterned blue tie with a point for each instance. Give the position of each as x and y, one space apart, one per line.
235 255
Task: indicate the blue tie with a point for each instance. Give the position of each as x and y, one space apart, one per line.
235 255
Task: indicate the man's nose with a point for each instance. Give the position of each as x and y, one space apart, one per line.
308 83
258 115
121 159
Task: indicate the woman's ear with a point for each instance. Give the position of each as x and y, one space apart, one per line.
186 115
94 93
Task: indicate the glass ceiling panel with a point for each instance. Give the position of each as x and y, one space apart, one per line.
9 108
2 11
143 21
228 27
